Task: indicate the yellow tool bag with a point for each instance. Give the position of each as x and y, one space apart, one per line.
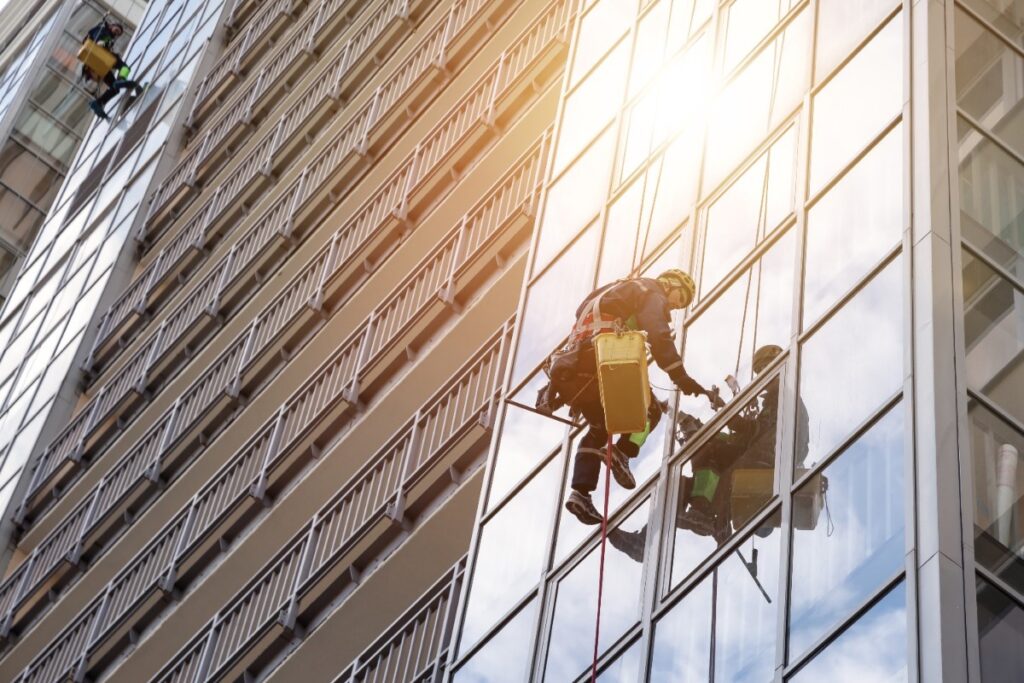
96 58
622 378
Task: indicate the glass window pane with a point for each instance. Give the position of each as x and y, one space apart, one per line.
747 23
551 303
649 51
509 561
575 198
670 192
63 101
618 251
989 80
503 659
754 311
841 25
726 482
591 106
1000 634
19 220
851 228
757 99
27 175
997 450
857 103
874 648
526 439
1005 15
991 198
625 669
603 25
847 532
993 319
729 618
746 212
859 352
45 136
570 648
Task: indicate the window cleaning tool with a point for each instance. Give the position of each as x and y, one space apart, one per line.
96 58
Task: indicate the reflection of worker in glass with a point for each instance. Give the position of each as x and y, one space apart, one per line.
748 441
105 35
631 304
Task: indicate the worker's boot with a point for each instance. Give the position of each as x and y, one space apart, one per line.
620 469
97 109
631 543
582 507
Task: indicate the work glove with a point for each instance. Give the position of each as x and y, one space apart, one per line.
689 386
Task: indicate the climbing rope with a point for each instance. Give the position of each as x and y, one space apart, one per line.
600 569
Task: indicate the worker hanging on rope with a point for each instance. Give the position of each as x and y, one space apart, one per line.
630 304
105 35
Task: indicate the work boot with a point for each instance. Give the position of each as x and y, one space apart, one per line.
697 521
631 543
97 109
620 469
582 507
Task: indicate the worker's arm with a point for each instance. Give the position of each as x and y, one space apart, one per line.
653 317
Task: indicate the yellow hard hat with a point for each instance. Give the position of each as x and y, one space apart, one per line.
765 355
675 279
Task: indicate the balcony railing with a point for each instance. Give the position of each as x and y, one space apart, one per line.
457 418
499 223
413 187
414 648
245 13
410 82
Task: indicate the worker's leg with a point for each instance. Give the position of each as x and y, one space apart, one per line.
589 453
630 444
115 87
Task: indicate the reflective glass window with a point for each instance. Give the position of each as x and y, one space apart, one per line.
751 208
858 355
685 18
503 659
857 103
874 648
570 646
993 319
755 310
1000 634
19 220
757 99
625 669
603 24
552 300
841 25
728 480
989 80
747 22
649 48
1005 15
847 532
59 98
28 175
728 620
853 226
591 106
991 198
670 190
46 136
575 198
510 553
997 459
526 439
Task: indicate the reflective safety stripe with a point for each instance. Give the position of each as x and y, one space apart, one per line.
673 366
593 451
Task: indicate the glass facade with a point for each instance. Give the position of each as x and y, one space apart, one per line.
761 146
71 257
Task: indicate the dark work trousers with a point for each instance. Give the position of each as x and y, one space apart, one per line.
114 86
590 450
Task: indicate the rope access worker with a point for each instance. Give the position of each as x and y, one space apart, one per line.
105 35
635 304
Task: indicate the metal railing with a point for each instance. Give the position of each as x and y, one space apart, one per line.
493 224
414 648
386 478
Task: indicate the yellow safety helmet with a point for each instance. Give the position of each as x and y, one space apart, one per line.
764 356
675 279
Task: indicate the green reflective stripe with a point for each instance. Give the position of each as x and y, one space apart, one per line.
705 483
640 437
123 72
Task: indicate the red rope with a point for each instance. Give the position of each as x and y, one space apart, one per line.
604 542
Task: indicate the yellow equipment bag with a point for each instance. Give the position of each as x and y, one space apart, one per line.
622 378
96 58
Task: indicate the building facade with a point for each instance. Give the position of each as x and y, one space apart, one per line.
325 261
44 111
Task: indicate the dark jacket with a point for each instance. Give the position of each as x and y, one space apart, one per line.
102 35
643 304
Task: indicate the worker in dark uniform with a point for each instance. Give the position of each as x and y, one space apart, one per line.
633 304
105 35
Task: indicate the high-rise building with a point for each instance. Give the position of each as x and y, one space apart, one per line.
44 111
338 241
